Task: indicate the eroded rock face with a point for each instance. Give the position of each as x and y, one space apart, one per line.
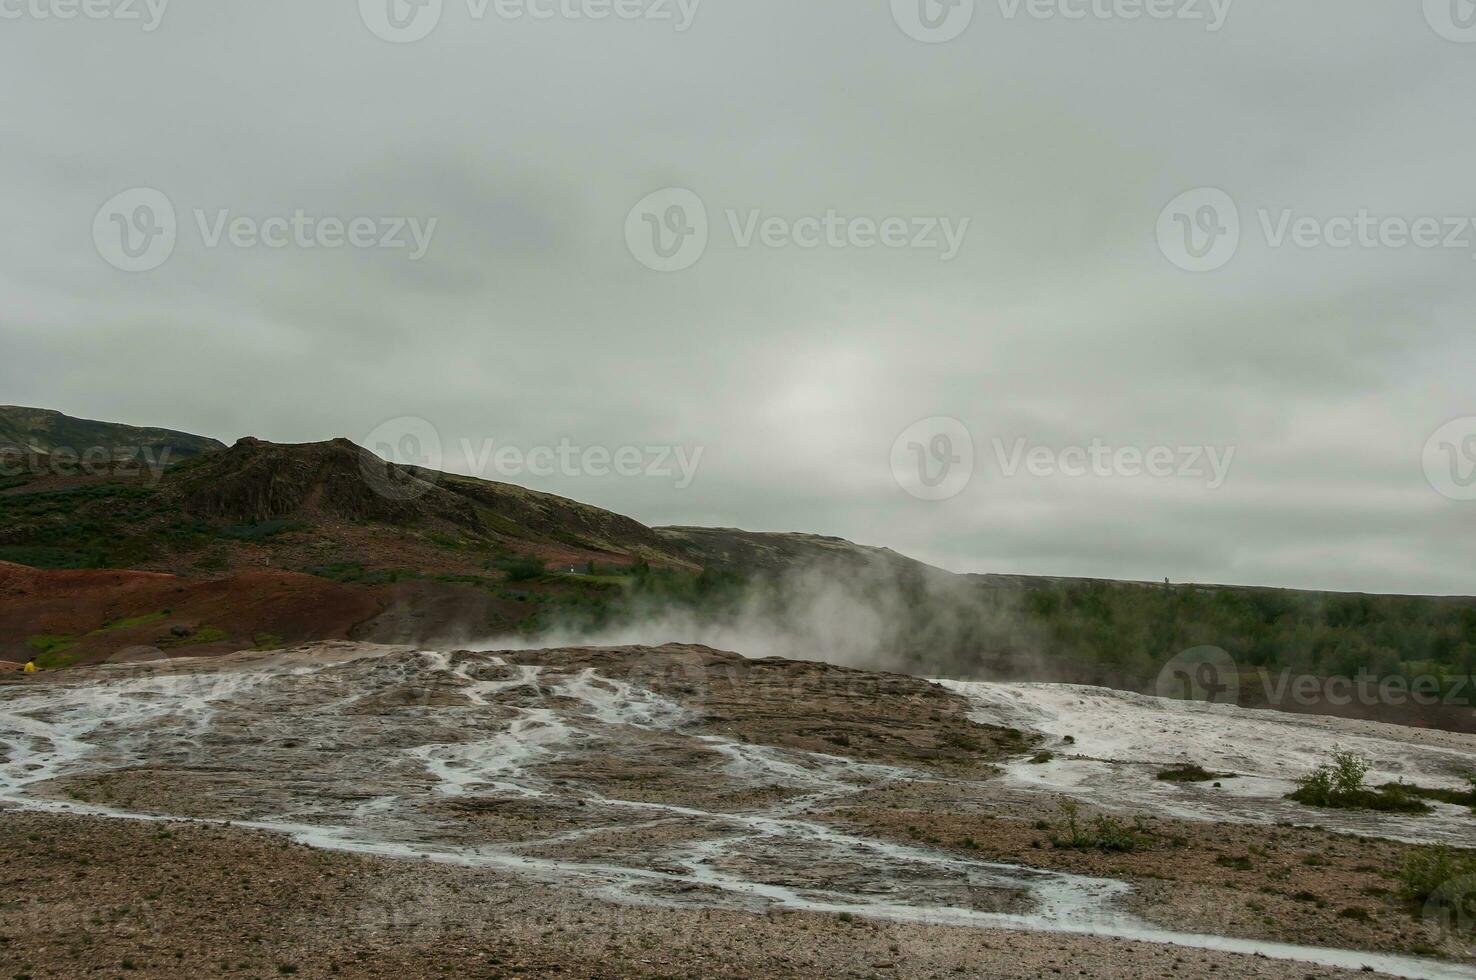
257 481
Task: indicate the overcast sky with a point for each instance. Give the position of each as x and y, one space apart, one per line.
1058 315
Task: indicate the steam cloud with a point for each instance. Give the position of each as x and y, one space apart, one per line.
872 616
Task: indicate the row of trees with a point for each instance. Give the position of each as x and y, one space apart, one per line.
1327 635
1083 631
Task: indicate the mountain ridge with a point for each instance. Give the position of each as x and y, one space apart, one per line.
45 431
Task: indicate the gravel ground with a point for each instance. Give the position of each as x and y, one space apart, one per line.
1299 885
86 896
636 812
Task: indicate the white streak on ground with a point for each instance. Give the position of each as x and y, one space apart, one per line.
503 730
1122 740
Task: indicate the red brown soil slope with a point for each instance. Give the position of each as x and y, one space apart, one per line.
91 615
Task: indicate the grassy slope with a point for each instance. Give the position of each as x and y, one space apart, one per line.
43 430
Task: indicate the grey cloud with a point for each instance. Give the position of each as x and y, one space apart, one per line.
528 321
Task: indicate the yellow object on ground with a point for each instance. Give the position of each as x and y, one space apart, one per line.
30 667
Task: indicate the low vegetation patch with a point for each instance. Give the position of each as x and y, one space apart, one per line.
52 652
40 556
1102 833
1458 797
1442 882
1340 785
1190 773
525 569
964 741
354 573
201 636
130 622
261 531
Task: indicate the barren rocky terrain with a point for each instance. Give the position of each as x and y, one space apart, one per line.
347 809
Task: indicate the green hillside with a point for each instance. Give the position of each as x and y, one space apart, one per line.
39 430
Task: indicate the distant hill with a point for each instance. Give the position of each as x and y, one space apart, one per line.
769 551
439 558
39 430
423 555
328 505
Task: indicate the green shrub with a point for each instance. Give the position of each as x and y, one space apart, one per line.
132 622
354 573
1349 770
1315 788
261 531
1340 785
1103 834
1188 774
1429 870
524 569
1114 835
964 741
1442 883
201 636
